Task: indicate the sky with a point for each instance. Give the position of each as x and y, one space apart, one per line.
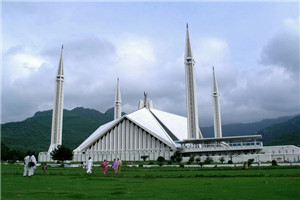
253 46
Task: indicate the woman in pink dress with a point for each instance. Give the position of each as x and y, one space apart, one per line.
105 166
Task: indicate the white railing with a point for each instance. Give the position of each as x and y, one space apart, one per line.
222 146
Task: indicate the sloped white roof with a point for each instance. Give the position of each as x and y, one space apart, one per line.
98 132
157 123
145 119
175 123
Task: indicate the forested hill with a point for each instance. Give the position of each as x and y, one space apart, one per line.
280 131
244 128
34 132
284 133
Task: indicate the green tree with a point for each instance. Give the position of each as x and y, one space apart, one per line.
160 160
177 156
208 160
11 154
144 158
192 159
62 153
250 161
274 163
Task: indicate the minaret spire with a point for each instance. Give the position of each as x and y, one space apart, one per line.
118 106
191 91
217 113
57 114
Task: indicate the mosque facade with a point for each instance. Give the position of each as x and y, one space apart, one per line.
152 133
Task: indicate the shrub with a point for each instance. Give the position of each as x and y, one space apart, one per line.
274 163
144 158
169 162
208 160
201 164
160 159
230 162
181 165
151 163
198 160
192 159
177 156
179 159
250 161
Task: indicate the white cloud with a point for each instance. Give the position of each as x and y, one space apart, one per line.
21 64
134 55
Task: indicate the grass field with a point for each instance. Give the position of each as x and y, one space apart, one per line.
154 183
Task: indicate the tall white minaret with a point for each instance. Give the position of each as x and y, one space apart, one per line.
118 106
191 91
217 113
57 114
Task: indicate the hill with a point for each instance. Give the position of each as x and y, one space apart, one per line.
244 128
34 132
284 133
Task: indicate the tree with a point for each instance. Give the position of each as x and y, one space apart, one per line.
144 158
192 159
160 160
274 163
208 160
177 156
62 153
222 160
250 161
11 154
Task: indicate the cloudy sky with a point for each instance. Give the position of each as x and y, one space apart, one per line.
253 46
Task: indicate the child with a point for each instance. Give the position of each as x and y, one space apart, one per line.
45 168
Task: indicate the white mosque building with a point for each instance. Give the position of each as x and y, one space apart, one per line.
153 133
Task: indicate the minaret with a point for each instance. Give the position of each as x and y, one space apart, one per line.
191 91
217 113
57 114
118 106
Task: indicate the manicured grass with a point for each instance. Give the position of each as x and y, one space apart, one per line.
153 183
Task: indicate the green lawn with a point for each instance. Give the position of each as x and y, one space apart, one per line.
154 183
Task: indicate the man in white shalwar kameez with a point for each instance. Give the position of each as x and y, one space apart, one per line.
26 167
89 165
31 169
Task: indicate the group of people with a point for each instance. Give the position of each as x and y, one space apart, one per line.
116 166
29 164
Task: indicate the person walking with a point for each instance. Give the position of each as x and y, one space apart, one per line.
26 162
119 165
32 164
89 166
115 166
105 166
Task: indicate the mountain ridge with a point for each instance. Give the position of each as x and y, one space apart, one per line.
34 132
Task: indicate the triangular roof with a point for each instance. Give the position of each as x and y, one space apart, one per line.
166 127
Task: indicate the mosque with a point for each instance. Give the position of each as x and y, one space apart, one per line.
153 133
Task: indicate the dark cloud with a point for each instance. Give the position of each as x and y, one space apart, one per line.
283 50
